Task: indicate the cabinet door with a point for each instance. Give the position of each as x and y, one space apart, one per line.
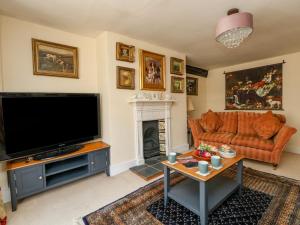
98 161
29 180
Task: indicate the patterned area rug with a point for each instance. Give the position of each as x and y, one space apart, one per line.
246 209
267 199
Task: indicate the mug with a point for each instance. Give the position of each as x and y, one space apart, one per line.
203 167
172 157
215 161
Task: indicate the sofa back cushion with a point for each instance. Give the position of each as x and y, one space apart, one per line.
210 121
247 119
229 122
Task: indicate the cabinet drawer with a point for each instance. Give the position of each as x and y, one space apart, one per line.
29 180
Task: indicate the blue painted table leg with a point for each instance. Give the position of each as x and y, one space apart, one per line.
166 184
203 203
239 176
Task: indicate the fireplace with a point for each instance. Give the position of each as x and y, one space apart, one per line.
153 138
150 139
148 111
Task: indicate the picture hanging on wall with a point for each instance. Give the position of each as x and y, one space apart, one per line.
125 52
176 66
177 84
152 71
191 86
52 59
257 88
125 78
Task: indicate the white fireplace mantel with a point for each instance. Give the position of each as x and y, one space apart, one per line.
145 110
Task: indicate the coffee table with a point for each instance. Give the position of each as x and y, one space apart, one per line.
202 194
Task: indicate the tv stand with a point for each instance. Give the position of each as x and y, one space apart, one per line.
58 152
27 178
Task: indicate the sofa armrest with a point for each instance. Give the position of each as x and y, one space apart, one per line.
196 129
280 141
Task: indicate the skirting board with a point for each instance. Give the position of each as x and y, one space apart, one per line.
122 167
293 149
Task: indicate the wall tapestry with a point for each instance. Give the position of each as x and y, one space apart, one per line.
52 59
257 88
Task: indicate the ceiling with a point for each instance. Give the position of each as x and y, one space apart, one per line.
186 26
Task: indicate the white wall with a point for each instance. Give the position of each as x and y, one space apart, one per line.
199 101
17 59
17 72
291 81
97 72
118 123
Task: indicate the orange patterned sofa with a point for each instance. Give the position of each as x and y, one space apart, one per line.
237 132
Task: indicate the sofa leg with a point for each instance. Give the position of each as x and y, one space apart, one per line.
275 166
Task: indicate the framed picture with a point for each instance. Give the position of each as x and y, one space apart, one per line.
152 71
176 66
257 88
177 84
191 86
125 78
52 59
125 52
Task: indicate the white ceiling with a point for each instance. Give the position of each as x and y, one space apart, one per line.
185 25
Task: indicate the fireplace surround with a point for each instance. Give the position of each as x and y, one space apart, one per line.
147 110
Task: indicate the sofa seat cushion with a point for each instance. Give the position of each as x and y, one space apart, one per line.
253 142
216 137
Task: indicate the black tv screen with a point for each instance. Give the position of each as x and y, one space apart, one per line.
32 123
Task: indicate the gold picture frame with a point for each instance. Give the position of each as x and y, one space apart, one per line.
125 52
53 59
176 66
125 78
152 71
177 84
191 86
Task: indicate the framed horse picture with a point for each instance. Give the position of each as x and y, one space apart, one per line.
257 88
52 59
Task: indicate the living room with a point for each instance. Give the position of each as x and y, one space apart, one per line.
194 70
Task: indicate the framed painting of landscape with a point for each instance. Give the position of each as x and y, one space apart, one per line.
52 59
176 66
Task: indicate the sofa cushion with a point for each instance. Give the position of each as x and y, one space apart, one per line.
253 142
245 123
230 122
210 121
224 138
246 120
267 125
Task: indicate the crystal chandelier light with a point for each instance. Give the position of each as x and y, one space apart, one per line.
234 28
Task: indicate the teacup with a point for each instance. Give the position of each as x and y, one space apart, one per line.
203 167
216 161
172 157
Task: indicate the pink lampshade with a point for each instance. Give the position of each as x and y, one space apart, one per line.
236 20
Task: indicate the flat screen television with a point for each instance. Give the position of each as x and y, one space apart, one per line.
33 123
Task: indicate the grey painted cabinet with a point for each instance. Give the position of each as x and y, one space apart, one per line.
29 180
98 161
44 175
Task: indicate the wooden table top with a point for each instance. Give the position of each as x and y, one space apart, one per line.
89 147
191 172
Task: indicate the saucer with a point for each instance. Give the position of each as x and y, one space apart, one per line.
173 163
203 174
218 168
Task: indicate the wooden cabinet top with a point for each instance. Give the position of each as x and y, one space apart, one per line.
90 147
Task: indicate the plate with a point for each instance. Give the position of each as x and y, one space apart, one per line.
228 155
